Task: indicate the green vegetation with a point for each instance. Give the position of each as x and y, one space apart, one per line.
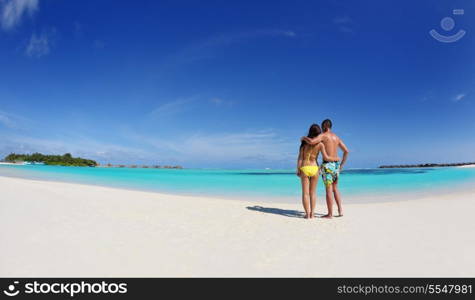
56 160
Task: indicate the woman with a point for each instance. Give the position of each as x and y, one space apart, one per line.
307 170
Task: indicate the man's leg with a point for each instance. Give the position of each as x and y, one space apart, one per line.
336 193
305 195
329 192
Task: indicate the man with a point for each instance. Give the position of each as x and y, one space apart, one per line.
330 169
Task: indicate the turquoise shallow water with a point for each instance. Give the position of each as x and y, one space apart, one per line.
263 184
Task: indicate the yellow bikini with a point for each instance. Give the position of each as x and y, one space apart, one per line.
309 171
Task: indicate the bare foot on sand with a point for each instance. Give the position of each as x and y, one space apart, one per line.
327 216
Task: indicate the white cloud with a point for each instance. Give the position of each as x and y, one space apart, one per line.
40 45
12 12
458 97
172 108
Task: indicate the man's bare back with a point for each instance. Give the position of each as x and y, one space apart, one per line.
331 142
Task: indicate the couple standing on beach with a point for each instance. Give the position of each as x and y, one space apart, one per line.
308 170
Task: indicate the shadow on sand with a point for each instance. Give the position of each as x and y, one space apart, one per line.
278 211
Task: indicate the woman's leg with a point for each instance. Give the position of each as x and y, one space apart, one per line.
313 194
305 195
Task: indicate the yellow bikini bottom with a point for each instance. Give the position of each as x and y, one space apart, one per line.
309 171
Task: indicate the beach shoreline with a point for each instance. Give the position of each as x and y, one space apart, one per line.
11 163
467 166
59 229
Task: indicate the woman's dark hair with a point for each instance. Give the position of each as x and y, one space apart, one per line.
313 131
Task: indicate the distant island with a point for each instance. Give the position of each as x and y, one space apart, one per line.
53 160
427 165
68 160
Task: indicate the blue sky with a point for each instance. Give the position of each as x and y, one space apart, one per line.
235 83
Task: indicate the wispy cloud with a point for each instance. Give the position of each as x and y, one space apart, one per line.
459 97
12 121
221 102
189 146
181 105
77 145
192 147
344 24
426 97
230 38
171 108
12 12
251 148
40 45
258 145
21 134
208 149
6 121
206 48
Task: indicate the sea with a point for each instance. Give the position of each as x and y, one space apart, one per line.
360 185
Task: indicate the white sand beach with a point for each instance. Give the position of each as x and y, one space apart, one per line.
61 229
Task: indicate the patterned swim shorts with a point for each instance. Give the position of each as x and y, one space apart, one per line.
330 172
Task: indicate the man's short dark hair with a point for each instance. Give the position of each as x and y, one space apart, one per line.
326 124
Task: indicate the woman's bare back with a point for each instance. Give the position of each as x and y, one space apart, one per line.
309 155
